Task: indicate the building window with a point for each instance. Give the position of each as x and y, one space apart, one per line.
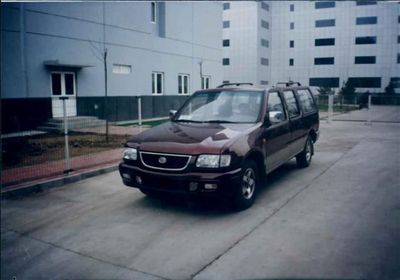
367 40
366 20
364 60
292 25
227 6
183 84
262 82
121 69
324 82
291 61
225 61
365 82
205 82
157 83
325 22
398 39
395 81
264 24
291 7
324 4
324 42
291 44
324 60
398 18
226 24
264 61
398 58
365 2
153 12
226 43
264 6
264 43
56 83
62 83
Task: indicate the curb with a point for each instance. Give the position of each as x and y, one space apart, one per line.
36 187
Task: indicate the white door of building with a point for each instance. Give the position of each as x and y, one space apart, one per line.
63 84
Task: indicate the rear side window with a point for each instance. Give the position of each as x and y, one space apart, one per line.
306 100
291 102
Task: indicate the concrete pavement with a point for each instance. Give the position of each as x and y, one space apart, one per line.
339 218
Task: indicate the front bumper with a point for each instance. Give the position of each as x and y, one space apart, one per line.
183 183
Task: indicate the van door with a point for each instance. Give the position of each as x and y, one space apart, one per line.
297 132
277 135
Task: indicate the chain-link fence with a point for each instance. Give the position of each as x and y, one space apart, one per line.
359 107
45 151
40 152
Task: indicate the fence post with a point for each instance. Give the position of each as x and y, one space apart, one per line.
140 111
330 107
67 159
369 110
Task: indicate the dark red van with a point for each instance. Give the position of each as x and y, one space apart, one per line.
224 141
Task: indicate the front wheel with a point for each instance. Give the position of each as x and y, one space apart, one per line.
245 191
304 158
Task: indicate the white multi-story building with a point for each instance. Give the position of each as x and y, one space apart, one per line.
160 50
317 43
246 42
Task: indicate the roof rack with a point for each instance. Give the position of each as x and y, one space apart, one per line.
234 84
288 84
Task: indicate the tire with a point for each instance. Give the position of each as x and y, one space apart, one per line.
246 189
304 158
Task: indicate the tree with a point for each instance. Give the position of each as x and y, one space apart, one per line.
325 90
347 90
389 90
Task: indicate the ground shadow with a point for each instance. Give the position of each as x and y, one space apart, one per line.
212 206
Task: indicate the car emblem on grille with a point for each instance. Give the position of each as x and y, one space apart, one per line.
162 160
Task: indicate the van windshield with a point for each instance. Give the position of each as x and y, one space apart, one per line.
223 106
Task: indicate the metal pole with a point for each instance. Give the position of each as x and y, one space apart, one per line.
67 159
139 104
369 110
330 107
105 93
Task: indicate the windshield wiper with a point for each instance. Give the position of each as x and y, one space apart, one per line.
219 121
192 121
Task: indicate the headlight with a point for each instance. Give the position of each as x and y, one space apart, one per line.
130 153
213 161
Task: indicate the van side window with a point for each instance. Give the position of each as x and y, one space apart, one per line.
291 102
275 107
306 100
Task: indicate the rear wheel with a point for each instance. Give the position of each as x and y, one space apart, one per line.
245 191
304 158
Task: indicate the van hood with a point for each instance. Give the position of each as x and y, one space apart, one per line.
191 138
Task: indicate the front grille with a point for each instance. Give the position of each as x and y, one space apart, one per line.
164 161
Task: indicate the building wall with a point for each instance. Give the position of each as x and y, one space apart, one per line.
73 33
344 51
244 34
244 65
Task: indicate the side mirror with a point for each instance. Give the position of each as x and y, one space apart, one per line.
275 117
172 114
